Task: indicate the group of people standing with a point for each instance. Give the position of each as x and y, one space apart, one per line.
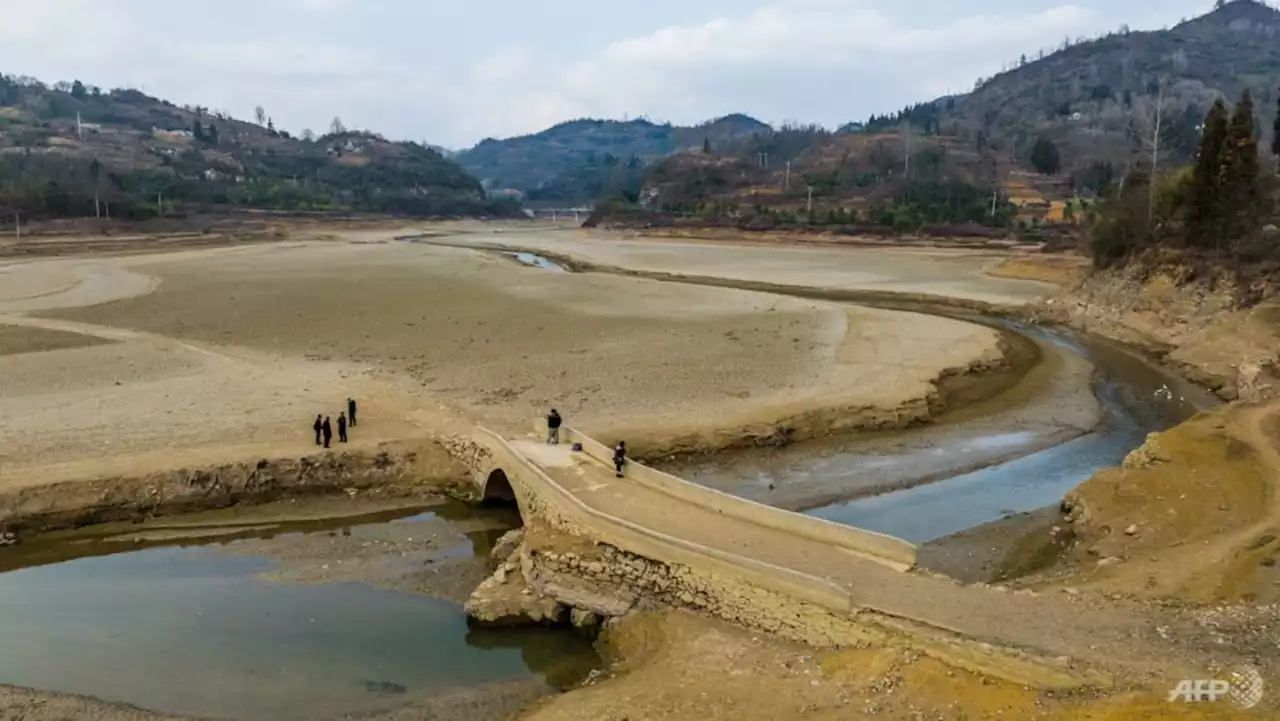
324 427
554 422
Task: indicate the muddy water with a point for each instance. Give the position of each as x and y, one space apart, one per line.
196 631
1136 398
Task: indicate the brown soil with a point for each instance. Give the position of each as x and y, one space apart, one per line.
19 339
1064 270
1201 327
992 552
677 666
1192 515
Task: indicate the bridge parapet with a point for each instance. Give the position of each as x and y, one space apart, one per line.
540 496
885 549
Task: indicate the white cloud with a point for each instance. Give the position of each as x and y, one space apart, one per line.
322 6
813 60
818 56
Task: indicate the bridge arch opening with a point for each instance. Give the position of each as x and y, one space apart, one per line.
498 490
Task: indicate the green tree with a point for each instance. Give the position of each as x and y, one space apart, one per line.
1045 157
1204 213
211 136
1275 130
706 145
197 129
78 90
1240 180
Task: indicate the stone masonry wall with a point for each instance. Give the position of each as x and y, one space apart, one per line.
590 587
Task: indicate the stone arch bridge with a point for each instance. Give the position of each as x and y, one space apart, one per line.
782 571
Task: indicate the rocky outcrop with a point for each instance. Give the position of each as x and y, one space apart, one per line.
506 546
1258 380
505 599
1212 330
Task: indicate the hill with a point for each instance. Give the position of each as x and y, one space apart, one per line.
569 158
73 150
1033 145
1097 100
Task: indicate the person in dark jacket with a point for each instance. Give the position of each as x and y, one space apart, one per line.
327 430
554 421
351 411
342 428
318 426
619 457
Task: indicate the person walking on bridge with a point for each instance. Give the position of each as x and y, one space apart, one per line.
318 427
342 428
351 411
326 429
619 457
554 421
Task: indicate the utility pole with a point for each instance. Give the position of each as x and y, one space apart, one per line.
810 188
17 225
787 183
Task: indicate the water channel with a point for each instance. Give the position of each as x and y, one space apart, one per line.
1136 398
196 630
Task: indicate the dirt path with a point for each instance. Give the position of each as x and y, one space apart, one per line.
1057 625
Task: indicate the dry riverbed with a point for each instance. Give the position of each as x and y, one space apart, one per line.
126 367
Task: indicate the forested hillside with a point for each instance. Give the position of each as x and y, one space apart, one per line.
570 162
72 150
1032 151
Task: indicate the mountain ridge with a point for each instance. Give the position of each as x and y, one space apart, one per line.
74 150
527 162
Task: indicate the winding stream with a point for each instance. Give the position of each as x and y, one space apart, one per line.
1136 398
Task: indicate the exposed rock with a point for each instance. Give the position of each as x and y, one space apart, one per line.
508 601
506 546
1131 530
581 618
1258 380
1110 561
609 602
1147 455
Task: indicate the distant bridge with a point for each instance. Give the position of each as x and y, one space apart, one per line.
578 214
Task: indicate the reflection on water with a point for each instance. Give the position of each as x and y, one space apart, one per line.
1136 398
193 631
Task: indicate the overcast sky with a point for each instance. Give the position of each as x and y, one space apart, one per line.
452 72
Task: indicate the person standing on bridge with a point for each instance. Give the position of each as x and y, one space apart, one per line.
342 428
619 457
351 411
554 421
318 427
326 429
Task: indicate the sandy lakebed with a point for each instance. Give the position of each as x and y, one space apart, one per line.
130 366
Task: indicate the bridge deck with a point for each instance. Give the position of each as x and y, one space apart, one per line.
1050 624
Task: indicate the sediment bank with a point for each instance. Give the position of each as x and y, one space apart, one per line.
406 468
